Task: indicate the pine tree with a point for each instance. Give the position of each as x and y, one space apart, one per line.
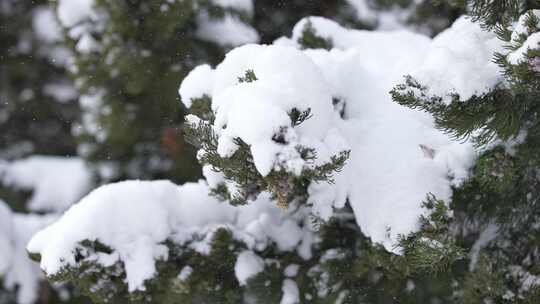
339 267
498 202
222 240
39 110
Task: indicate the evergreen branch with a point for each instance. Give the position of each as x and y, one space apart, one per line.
310 39
249 76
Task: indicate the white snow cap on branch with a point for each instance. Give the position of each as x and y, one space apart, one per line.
248 264
197 85
226 31
256 111
533 39
388 175
460 61
45 25
291 294
364 12
73 12
56 182
134 218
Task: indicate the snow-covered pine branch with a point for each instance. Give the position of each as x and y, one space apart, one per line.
130 232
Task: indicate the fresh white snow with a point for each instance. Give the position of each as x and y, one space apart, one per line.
73 12
226 31
291 294
388 174
23 273
532 42
460 61
56 182
45 25
143 214
16 269
486 236
248 264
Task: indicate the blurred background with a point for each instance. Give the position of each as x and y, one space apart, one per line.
88 95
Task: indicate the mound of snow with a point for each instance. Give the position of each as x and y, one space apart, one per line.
460 61
56 182
134 218
256 111
397 155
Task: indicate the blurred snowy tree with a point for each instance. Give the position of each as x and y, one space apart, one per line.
37 108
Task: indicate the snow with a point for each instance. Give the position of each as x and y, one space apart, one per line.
520 27
55 182
136 242
460 61
528 281
286 79
82 18
62 92
385 187
73 12
226 31
291 294
6 245
291 270
45 25
486 236
17 271
343 38
92 105
87 44
185 273
519 55
196 85
363 12
388 175
396 16
134 218
241 5
248 264
397 155
24 273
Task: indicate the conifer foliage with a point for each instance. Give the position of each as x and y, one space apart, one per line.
498 201
341 163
